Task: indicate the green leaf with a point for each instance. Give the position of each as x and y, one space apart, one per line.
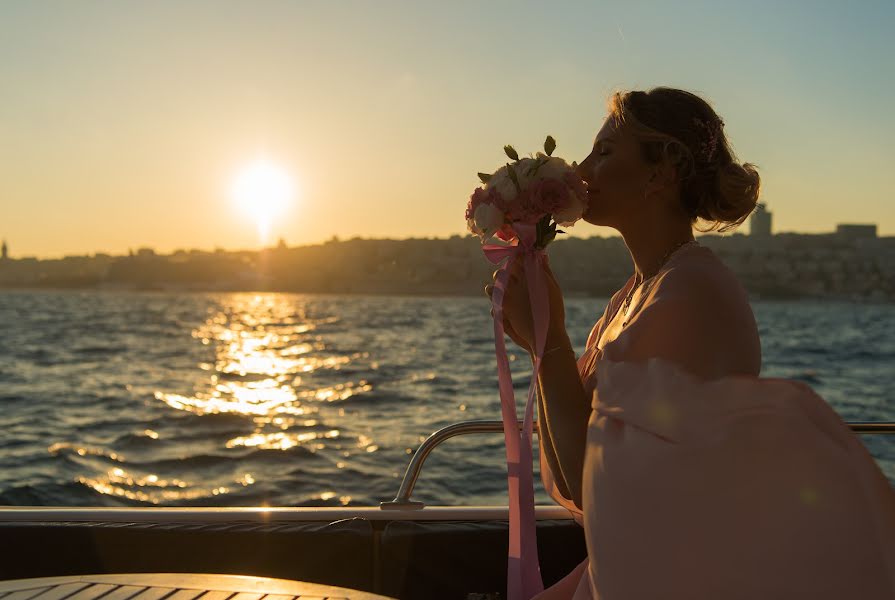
549 145
511 152
512 174
484 177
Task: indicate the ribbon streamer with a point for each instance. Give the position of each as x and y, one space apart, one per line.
523 569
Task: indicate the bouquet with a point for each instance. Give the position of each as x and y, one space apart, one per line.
543 190
522 203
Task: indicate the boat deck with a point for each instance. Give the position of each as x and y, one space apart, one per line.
173 586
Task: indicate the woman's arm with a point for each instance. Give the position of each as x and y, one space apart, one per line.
563 409
563 414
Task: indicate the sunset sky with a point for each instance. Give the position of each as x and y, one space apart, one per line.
126 124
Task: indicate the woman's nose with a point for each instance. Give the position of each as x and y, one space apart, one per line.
581 169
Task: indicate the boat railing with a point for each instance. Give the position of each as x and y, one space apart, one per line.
402 500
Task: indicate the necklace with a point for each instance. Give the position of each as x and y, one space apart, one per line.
665 258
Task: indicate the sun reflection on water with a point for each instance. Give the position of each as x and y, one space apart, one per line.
83 451
263 345
264 359
151 488
280 440
269 363
243 400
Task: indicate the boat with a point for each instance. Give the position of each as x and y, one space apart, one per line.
401 548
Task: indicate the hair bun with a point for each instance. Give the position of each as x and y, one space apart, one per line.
734 198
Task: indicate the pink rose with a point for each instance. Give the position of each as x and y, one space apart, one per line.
576 184
549 196
523 208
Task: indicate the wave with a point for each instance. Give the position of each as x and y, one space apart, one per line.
59 494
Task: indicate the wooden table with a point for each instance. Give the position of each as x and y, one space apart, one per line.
173 586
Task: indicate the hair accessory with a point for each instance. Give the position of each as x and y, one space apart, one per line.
712 137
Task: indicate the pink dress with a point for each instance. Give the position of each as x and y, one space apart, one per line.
734 486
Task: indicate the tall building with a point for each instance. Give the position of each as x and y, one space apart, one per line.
760 221
4 251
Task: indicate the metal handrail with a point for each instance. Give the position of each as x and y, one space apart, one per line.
402 500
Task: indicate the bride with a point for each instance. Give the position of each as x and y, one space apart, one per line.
692 476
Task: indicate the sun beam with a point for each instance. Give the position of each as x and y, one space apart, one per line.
262 190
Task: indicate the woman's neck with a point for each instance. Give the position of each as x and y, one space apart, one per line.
649 246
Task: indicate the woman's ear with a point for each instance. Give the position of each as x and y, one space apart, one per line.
666 172
662 175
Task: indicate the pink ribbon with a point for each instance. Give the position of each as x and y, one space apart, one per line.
523 569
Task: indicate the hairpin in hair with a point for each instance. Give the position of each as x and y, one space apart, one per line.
712 137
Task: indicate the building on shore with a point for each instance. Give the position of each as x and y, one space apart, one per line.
854 231
760 221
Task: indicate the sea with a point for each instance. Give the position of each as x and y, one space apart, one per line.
111 398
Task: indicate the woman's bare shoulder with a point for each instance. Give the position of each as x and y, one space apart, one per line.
698 315
701 277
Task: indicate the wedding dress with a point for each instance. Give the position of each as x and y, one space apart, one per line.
732 487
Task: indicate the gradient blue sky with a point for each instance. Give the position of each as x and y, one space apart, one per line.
123 124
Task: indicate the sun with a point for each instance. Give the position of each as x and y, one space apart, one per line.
262 191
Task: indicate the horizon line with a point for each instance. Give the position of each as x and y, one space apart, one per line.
338 239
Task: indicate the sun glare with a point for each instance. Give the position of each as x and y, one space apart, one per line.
262 191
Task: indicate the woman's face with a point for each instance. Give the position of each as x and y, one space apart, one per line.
616 176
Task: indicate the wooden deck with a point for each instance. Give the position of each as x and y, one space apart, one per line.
173 586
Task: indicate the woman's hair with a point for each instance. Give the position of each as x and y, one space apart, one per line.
683 129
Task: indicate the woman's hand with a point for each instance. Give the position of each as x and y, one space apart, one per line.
517 319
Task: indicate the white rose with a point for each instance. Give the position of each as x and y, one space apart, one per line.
522 168
567 216
488 219
470 225
555 167
501 182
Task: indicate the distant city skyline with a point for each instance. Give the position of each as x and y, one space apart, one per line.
760 215
217 124
850 263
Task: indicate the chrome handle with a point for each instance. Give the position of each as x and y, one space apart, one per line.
402 500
